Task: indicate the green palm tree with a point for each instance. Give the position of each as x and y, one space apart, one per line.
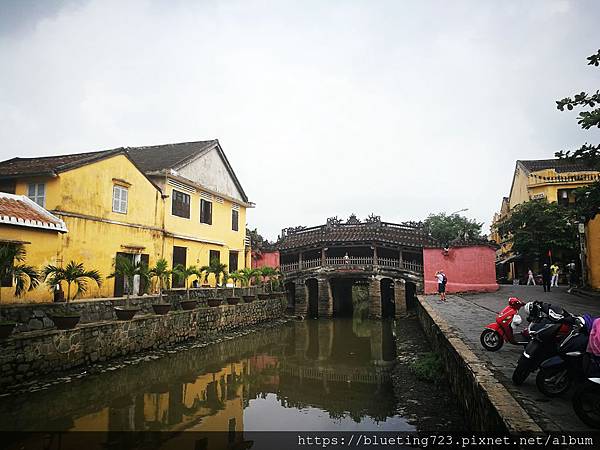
269 274
74 273
184 273
25 278
248 275
218 270
128 269
161 272
237 276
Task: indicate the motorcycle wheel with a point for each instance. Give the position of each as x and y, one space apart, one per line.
586 403
491 340
521 371
553 383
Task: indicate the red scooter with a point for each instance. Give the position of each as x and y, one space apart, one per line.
501 331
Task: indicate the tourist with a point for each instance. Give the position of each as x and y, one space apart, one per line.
441 281
572 270
546 277
555 271
346 258
530 278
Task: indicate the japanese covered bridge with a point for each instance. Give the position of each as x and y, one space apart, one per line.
321 265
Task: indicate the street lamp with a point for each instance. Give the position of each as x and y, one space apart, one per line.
459 211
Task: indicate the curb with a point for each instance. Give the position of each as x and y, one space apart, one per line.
487 402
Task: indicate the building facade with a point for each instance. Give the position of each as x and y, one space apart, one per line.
552 179
181 202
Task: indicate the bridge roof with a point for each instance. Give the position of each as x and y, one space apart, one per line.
355 232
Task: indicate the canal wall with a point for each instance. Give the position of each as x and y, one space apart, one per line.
485 401
27 355
38 316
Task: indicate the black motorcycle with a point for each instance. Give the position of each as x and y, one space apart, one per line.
549 326
586 399
557 373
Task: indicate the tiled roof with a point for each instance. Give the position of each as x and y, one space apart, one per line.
158 157
21 211
48 165
560 165
409 235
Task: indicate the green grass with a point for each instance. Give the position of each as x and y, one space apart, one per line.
428 367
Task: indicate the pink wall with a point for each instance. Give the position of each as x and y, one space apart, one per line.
270 259
467 269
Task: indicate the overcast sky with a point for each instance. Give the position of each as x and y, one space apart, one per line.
400 108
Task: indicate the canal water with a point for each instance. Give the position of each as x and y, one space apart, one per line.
312 375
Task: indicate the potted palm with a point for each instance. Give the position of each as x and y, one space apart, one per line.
263 274
161 272
126 268
25 278
218 270
185 273
248 275
74 273
236 277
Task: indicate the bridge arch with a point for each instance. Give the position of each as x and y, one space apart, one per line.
290 289
387 298
312 297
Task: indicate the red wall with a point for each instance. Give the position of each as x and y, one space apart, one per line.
467 269
270 259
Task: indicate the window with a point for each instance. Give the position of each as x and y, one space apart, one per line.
180 204
37 193
205 211
565 197
120 199
179 257
235 216
233 261
214 255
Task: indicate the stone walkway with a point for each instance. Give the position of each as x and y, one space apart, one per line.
469 313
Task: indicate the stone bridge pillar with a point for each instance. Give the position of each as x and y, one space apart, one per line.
325 299
375 298
400 297
301 299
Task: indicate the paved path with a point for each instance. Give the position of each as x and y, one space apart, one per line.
469 313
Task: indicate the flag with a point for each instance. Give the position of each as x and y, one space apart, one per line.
549 253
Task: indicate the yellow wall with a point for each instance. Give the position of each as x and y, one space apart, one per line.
96 233
593 251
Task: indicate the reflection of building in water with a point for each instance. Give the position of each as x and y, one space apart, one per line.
341 366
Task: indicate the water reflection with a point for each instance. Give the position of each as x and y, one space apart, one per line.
309 375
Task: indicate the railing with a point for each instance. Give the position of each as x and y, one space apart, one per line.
341 261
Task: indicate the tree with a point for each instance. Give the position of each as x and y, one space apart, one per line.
161 272
237 276
25 278
184 273
249 275
269 274
74 273
218 270
454 227
589 153
536 227
126 268
587 201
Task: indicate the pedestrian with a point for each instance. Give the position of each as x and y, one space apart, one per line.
555 271
546 277
441 281
572 270
530 278
346 258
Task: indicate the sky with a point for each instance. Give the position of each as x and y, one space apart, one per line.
324 108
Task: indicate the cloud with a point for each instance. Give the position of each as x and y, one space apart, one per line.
324 108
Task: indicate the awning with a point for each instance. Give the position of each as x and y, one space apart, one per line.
510 259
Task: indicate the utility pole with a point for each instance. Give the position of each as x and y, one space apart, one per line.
582 253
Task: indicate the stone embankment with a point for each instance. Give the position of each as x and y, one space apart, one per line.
486 402
27 355
37 316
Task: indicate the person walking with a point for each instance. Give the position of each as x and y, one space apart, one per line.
441 281
530 277
555 270
546 277
572 270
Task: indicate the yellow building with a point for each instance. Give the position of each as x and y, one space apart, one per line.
592 233
550 179
182 202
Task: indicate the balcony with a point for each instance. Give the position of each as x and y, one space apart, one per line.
352 262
